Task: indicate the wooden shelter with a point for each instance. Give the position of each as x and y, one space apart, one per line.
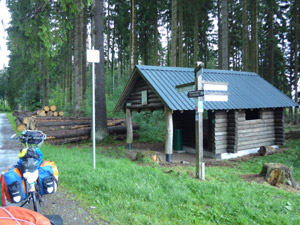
252 117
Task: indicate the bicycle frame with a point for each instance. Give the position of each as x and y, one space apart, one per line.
31 186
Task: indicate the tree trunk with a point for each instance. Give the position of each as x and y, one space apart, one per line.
219 36
180 34
101 117
174 34
276 173
254 35
133 52
270 46
245 35
78 98
156 37
224 35
84 39
296 57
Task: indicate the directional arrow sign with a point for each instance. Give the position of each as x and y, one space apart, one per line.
215 97
215 86
185 87
207 86
195 94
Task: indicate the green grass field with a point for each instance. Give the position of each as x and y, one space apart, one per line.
125 192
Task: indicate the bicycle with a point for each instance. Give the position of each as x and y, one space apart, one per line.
30 160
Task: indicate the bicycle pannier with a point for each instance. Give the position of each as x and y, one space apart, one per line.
13 185
48 178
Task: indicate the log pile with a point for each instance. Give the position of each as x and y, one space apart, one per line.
50 111
61 130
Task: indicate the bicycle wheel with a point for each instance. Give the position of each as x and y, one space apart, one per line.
35 202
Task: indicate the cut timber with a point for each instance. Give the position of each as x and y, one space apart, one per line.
147 155
57 128
115 122
121 137
50 123
266 150
67 140
121 129
43 113
61 113
62 118
55 114
23 118
62 134
20 126
53 108
49 113
46 108
276 173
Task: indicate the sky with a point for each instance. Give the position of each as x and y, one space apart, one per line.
4 21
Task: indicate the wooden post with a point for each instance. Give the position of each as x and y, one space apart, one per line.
129 137
169 135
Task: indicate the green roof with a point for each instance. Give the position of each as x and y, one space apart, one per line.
246 90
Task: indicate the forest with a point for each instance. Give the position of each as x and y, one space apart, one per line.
48 40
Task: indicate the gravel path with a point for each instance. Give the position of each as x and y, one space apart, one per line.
61 203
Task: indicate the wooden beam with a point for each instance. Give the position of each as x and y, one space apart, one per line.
169 134
129 130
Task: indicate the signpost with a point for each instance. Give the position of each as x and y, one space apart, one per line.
202 89
93 56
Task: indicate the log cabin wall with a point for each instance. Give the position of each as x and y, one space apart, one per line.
255 128
134 100
279 126
218 128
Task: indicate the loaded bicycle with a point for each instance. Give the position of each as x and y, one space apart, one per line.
26 182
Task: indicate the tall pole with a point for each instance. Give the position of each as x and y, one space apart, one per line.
94 117
200 171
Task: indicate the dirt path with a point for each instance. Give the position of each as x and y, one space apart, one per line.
61 203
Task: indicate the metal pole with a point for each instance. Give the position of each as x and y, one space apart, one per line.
93 116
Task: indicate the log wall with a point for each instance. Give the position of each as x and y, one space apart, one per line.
257 132
218 128
279 126
231 132
134 101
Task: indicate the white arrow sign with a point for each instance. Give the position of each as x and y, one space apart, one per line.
215 97
215 86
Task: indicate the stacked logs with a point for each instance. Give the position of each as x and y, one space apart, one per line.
50 111
61 130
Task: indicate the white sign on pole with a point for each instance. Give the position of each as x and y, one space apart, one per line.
215 86
93 56
197 89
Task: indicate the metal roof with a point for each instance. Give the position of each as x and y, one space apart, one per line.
246 90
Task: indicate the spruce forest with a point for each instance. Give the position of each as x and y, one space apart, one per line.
48 42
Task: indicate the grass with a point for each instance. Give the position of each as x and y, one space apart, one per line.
124 192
